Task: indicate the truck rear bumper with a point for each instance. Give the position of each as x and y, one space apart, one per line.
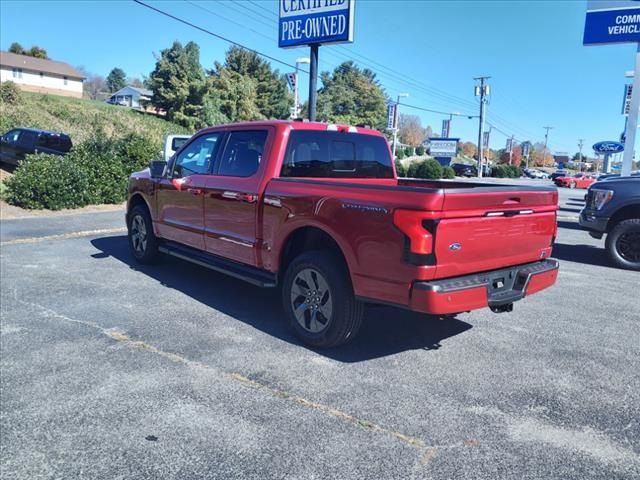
488 289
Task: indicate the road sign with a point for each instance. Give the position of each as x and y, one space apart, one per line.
626 103
608 147
391 115
612 21
443 147
446 125
292 80
315 22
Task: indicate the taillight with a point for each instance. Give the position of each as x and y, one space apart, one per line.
410 222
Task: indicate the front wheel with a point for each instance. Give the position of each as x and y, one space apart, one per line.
142 241
623 244
319 302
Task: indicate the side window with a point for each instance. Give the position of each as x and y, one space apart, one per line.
243 153
12 136
27 139
197 157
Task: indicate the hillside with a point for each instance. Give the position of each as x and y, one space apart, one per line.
79 118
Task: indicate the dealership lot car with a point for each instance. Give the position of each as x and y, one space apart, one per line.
579 180
19 142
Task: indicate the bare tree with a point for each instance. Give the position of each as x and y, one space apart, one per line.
410 130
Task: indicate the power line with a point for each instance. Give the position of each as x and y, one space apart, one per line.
228 40
438 111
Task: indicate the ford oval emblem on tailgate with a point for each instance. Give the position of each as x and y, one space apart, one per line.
455 246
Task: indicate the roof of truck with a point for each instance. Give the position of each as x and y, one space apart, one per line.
302 125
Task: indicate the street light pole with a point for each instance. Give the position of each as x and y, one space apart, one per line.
296 97
580 145
395 122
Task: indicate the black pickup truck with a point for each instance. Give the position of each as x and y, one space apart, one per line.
613 208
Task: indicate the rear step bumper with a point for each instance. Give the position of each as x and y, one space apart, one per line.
493 289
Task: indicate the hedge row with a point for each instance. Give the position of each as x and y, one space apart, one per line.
506 171
94 172
429 169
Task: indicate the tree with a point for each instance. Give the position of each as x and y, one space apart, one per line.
272 99
516 156
37 52
16 48
135 82
352 96
178 84
236 96
116 79
34 51
410 129
469 149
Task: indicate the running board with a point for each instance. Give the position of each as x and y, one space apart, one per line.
249 274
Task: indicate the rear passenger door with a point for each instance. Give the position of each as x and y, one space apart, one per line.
232 194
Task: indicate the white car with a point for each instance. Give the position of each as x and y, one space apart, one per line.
173 143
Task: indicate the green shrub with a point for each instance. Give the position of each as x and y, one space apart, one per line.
399 154
10 93
499 171
408 151
400 170
448 172
420 150
514 171
48 181
412 171
428 169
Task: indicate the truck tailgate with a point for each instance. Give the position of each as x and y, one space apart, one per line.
486 230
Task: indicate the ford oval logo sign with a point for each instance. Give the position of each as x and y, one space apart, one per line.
455 246
608 147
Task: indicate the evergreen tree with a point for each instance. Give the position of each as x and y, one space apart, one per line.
116 80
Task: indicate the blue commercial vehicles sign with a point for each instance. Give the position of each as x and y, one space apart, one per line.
308 22
612 21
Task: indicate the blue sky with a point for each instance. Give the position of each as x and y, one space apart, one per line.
541 73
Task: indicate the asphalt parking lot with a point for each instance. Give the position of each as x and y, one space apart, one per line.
110 370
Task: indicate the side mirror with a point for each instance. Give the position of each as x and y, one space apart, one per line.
157 168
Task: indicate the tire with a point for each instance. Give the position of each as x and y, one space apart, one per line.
142 241
623 244
326 313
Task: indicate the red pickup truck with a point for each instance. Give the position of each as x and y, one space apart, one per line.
317 210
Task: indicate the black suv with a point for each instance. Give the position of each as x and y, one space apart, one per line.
19 142
463 170
613 207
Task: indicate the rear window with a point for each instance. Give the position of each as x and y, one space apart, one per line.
336 155
53 141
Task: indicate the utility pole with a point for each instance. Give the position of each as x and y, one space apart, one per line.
395 122
546 137
511 149
296 96
580 145
481 91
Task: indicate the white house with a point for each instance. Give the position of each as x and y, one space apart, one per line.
130 96
39 75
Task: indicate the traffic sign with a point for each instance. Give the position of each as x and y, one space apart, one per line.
612 21
608 147
292 80
315 22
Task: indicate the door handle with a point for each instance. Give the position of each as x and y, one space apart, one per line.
242 197
194 191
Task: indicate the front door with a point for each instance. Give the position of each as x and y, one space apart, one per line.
231 201
180 196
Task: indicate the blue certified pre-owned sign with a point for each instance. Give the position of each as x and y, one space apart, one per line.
612 21
608 147
307 22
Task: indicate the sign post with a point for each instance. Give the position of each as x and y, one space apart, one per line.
618 21
313 24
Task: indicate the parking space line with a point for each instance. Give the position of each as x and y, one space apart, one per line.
426 452
64 236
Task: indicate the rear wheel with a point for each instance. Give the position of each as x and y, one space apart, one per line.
142 241
318 299
623 244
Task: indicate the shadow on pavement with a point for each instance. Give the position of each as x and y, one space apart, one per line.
570 225
385 330
575 204
573 199
565 209
587 254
